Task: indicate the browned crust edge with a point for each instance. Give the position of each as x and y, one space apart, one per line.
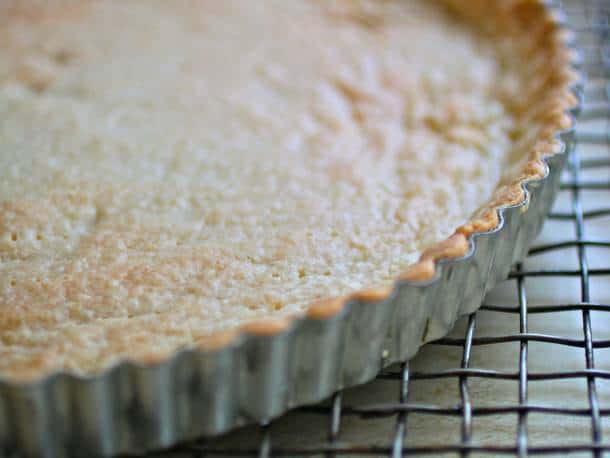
552 86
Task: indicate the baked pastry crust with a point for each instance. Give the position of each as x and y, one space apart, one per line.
531 26
550 86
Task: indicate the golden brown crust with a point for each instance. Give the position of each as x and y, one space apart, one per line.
551 88
550 77
267 327
325 308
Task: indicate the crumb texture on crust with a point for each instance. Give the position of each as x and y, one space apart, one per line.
172 169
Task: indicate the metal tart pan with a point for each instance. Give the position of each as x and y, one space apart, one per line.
133 407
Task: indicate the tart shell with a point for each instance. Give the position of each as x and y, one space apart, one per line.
258 371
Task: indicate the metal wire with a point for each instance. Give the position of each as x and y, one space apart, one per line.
597 62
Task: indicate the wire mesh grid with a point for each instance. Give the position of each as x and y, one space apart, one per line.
363 422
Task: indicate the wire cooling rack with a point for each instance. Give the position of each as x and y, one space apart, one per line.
529 373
